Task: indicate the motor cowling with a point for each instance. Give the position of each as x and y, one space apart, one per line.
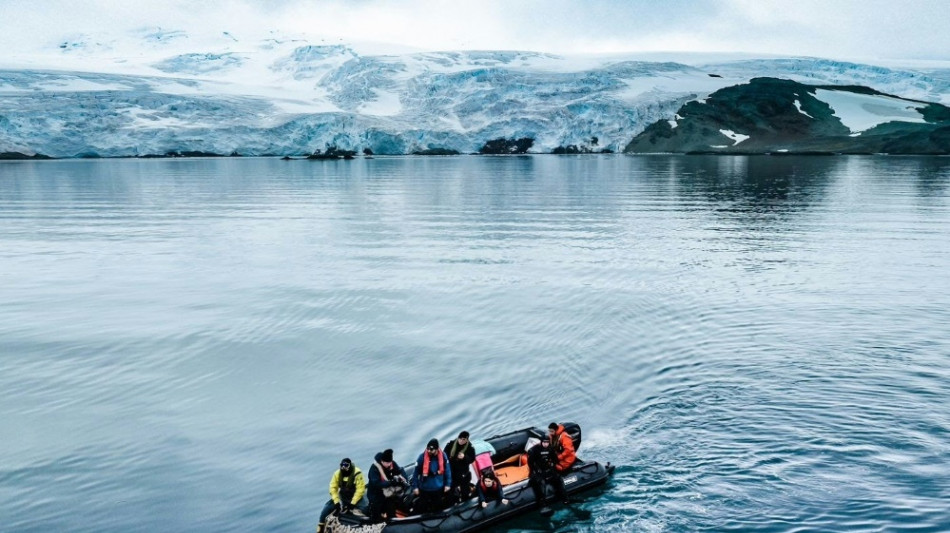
574 431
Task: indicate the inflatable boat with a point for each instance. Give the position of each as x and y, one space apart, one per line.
511 469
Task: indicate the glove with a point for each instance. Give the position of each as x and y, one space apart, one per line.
339 508
346 508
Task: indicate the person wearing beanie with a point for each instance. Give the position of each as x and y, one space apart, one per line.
347 488
432 478
562 446
387 486
461 455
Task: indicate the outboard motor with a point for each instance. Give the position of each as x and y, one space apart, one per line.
574 431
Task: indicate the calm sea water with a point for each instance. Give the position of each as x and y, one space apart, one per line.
760 343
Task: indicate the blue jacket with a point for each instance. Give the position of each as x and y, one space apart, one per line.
433 482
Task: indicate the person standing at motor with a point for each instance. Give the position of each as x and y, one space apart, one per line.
387 485
461 455
432 478
542 463
347 488
563 447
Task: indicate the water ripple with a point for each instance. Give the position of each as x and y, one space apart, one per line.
758 344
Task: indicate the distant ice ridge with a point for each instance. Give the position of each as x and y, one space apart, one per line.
288 96
930 85
199 63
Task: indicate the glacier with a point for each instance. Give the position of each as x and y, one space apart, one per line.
289 96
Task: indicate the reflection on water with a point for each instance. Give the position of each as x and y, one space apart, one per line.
758 342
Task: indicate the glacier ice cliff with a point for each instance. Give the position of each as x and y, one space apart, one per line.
292 98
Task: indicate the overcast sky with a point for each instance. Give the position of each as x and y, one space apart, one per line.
854 29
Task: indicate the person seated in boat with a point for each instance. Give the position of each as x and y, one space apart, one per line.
347 488
388 485
562 446
432 479
461 455
542 463
490 489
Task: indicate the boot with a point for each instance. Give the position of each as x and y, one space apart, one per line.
322 527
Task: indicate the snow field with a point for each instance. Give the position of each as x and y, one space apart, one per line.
861 112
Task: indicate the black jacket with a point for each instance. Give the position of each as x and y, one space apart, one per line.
378 482
496 493
541 460
460 468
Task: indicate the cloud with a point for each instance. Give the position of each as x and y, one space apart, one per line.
839 28
866 28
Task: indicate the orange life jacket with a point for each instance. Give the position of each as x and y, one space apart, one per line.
425 464
563 448
493 488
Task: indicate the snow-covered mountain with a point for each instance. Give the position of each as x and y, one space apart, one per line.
158 91
770 115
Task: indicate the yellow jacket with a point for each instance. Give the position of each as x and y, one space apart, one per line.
336 483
